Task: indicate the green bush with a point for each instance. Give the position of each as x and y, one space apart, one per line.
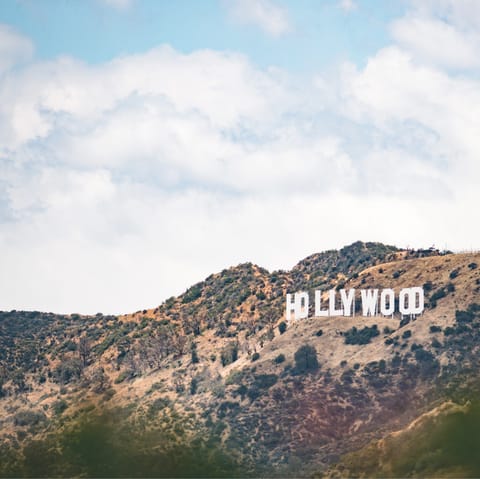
362 336
407 334
474 307
68 371
255 356
396 360
261 295
108 394
448 331
428 286
439 294
230 407
121 377
241 390
429 365
192 294
282 327
464 316
454 273
28 417
279 359
59 406
229 353
218 389
193 386
194 353
253 393
69 346
158 405
265 381
306 359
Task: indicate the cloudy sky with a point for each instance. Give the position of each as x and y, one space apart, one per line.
147 144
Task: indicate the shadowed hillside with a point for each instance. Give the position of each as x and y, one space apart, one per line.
443 442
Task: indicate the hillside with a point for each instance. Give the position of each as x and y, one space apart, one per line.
442 442
214 383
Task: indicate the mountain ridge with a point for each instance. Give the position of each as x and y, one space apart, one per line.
217 364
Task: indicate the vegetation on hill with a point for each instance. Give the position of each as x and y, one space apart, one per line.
110 445
442 443
217 373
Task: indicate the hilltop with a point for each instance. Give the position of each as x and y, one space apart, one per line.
214 381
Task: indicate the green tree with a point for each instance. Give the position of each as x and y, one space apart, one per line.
229 353
84 350
193 350
306 359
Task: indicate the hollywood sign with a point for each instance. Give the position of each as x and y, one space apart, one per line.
410 302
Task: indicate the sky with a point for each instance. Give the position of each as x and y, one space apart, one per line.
145 144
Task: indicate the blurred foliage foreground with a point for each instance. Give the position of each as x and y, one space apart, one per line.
106 446
446 444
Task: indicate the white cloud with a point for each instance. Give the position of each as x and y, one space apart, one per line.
140 245
442 33
438 42
393 92
14 48
265 14
463 14
123 183
223 89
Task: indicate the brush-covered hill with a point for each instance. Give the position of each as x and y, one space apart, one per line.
215 383
442 442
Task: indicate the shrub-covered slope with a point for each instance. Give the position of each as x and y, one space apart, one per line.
218 369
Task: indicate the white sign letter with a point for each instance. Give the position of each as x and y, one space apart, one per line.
369 301
290 307
391 302
301 305
318 305
411 294
347 301
331 304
